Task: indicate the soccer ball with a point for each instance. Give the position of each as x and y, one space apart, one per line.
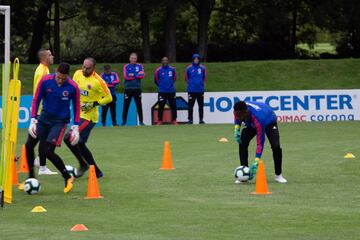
71 170
242 173
32 186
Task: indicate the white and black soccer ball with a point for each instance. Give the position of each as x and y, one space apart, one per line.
71 170
32 186
242 173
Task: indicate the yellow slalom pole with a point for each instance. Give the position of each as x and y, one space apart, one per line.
3 119
12 120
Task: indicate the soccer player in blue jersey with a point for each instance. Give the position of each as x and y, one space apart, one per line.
133 73
164 78
56 91
257 119
111 79
195 76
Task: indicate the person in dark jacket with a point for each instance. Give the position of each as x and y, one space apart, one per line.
195 76
164 78
133 73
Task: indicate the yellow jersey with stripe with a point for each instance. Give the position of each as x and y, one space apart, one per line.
92 89
40 71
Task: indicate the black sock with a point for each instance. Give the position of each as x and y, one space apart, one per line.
277 155
30 155
75 150
88 156
55 159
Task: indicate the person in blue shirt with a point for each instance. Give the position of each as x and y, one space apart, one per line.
133 72
195 77
257 119
164 78
56 91
111 79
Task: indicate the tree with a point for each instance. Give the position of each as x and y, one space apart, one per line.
57 32
145 33
170 31
39 29
204 9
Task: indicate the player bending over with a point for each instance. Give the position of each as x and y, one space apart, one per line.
94 92
257 119
56 91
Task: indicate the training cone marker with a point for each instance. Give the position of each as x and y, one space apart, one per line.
349 155
79 228
167 161
38 209
223 140
93 185
15 179
23 161
261 184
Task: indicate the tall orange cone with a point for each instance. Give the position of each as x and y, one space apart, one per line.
261 184
167 162
24 168
93 186
15 179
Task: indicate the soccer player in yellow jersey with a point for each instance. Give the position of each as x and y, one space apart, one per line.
93 92
46 59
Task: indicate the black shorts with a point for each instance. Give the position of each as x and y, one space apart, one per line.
85 128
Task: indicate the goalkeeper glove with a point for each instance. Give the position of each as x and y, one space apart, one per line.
74 135
237 134
88 106
238 130
253 168
32 127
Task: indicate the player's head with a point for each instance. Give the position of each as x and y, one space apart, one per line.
196 58
241 111
107 68
45 57
62 73
133 58
88 67
165 61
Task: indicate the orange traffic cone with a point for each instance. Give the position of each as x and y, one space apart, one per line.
24 168
15 179
167 162
261 184
93 186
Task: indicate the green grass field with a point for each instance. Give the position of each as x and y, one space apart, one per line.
199 200
247 75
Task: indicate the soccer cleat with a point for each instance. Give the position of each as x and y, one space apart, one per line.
21 186
190 122
68 184
159 123
115 125
99 174
81 171
142 124
43 170
123 124
280 179
174 122
237 181
202 122
37 162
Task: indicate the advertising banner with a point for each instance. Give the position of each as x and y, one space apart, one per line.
289 106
